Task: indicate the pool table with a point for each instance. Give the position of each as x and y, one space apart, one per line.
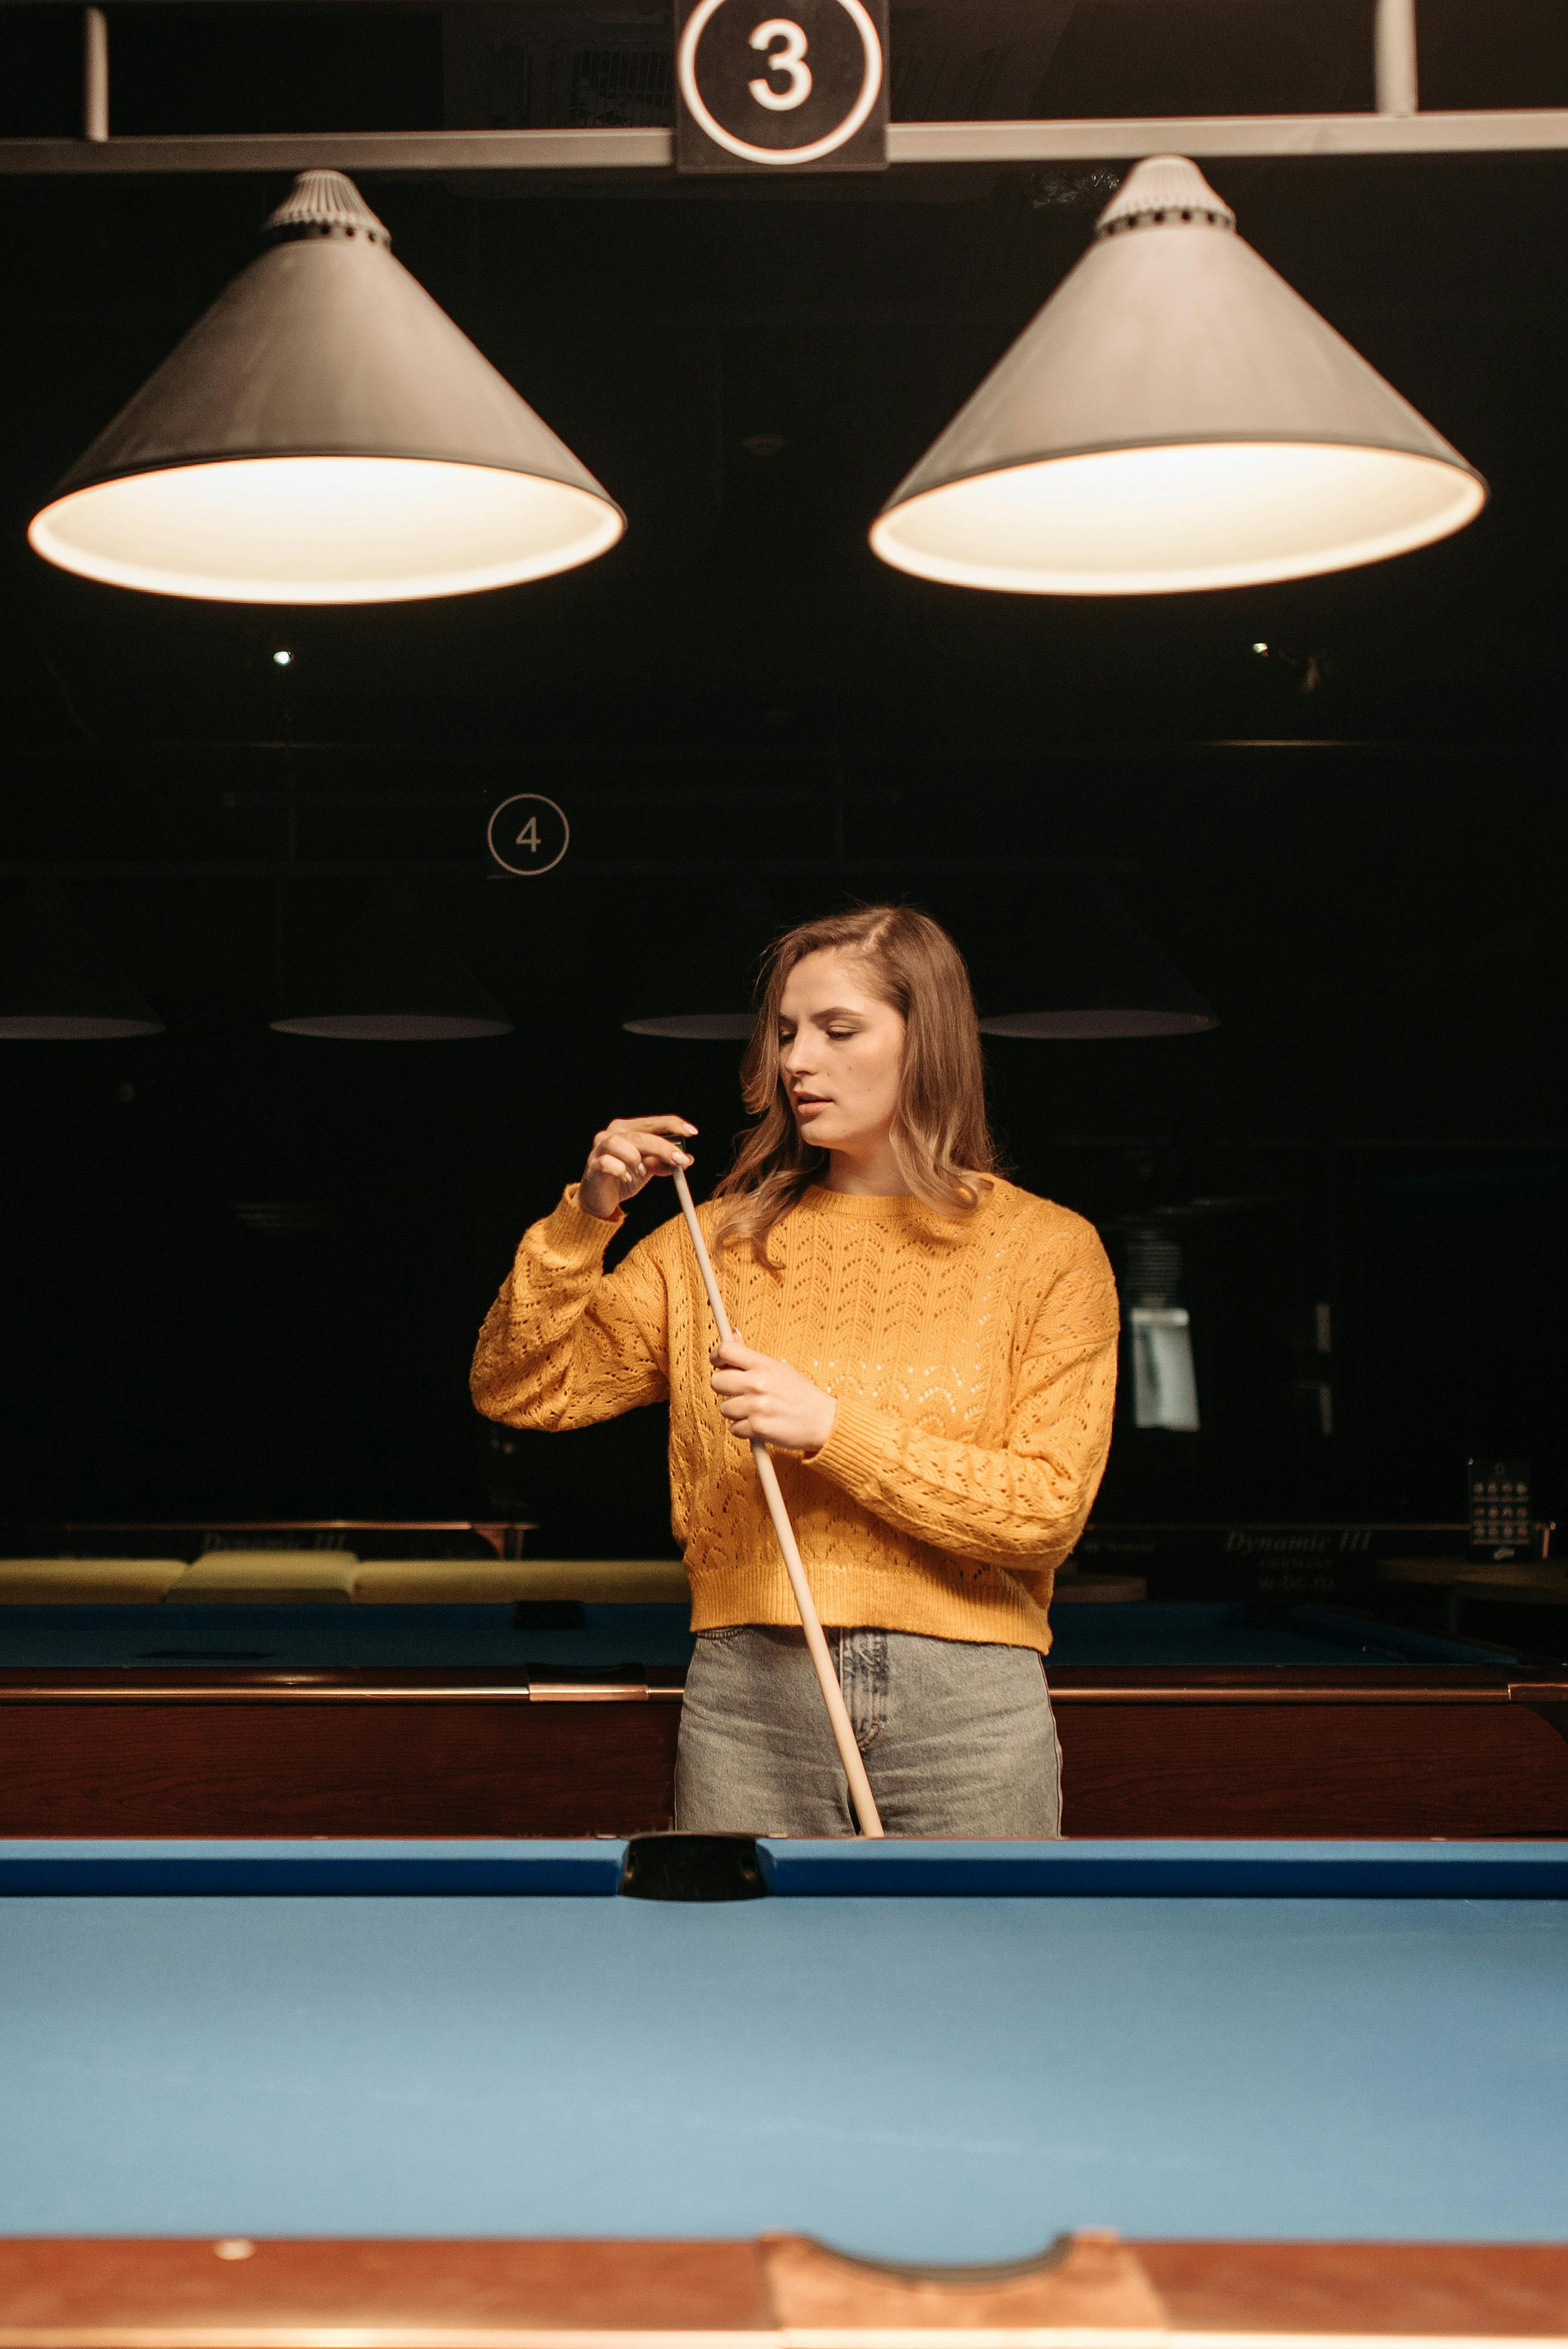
1176 1718
448 2096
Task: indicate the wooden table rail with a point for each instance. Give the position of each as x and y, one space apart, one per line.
304 1689
1088 2290
154 1751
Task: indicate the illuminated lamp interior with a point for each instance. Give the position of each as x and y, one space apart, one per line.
1092 1026
71 1028
1157 521
324 530
391 1027
696 1027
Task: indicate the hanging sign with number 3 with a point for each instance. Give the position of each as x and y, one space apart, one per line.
765 92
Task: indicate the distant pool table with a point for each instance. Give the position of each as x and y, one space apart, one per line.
482 2094
1176 1718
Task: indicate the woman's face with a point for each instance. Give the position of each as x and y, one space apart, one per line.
839 1050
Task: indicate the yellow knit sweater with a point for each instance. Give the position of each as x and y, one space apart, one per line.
973 1364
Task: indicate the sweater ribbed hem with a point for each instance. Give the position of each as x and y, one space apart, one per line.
996 1610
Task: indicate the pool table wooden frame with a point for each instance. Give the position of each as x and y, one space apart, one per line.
1397 1751
1088 2289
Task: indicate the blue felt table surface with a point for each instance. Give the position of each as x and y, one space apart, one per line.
948 2078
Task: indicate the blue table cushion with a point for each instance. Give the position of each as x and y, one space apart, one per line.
804 1870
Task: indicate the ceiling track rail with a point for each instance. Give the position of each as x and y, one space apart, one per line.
881 869
1396 128
1541 131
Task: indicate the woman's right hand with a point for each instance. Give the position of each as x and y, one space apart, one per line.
628 1153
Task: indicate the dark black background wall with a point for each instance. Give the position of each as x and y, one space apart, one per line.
243 1271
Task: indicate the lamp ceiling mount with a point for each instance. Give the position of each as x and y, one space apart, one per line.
1162 191
326 203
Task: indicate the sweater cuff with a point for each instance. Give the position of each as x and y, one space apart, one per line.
572 1237
855 1456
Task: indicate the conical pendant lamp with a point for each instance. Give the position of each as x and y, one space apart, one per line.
1175 417
1090 971
711 998
57 986
725 1020
325 435
363 965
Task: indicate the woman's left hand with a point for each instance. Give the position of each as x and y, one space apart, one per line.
761 1397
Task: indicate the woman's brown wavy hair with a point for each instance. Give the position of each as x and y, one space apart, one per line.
940 1136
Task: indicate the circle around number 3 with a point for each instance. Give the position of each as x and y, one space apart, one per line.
697 25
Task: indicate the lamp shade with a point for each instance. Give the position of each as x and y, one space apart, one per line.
1090 972
1175 417
362 965
325 435
709 997
57 986
726 1021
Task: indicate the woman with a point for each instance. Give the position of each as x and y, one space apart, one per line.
929 1352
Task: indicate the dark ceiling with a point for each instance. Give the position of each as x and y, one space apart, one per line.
1353 843
750 370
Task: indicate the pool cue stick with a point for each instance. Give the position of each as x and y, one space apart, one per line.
860 1793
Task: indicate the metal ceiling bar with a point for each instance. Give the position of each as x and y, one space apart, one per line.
1394 57
357 150
597 868
95 76
892 751
1537 129
1524 131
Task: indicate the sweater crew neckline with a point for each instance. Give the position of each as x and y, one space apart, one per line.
879 1207
863 1204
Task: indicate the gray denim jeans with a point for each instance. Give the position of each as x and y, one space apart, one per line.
958 1737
